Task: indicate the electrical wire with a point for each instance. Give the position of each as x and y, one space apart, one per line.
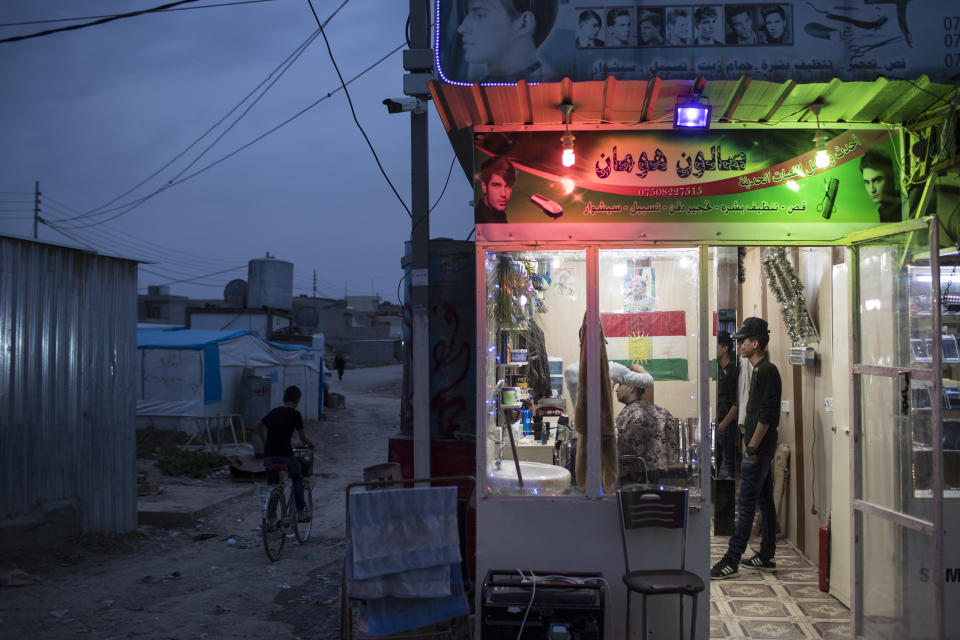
129 206
282 68
353 111
206 275
112 15
145 248
118 16
122 243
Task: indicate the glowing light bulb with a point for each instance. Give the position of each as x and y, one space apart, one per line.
568 185
568 158
822 159
792 185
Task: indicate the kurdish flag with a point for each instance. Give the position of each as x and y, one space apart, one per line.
657 340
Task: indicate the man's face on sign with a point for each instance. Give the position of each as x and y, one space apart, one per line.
876 184
485 31
706 27
648 31
742 25
589 29
681 26
497 192
775 25
621 28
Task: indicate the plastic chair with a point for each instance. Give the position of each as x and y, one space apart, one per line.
657 506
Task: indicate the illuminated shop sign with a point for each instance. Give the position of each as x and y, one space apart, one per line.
715 177
503 41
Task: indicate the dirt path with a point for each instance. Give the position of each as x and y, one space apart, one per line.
213 581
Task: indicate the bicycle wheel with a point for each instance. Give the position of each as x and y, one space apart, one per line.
274 536
302 529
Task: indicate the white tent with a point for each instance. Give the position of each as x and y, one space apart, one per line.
189 373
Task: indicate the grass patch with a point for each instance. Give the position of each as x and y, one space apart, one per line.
196 464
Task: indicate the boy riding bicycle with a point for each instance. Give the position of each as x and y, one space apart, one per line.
280 424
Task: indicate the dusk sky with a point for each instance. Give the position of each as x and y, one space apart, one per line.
91 113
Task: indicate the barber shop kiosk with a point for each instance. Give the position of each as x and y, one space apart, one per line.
612 216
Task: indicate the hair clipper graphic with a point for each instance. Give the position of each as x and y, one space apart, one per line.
549 207
829 197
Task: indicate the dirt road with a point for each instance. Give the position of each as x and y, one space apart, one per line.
213 581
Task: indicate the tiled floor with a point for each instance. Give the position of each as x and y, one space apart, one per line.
786 604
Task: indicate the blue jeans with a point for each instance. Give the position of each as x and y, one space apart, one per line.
293 470
726 451
756 490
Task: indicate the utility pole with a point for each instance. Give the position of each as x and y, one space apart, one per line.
314 283
418 61
36 207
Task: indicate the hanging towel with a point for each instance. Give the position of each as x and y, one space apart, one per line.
430 582
392 531
393 615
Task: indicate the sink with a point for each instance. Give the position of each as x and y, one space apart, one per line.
538 477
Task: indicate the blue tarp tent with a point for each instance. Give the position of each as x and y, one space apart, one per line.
191 373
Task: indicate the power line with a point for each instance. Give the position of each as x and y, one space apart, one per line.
118 16
206 275
296 52
136 203
353 111
114 15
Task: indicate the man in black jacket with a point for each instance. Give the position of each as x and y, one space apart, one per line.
756 479
727 431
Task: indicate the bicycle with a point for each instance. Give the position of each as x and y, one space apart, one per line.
280 519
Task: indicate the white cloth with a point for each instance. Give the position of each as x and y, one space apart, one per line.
619 374
743 389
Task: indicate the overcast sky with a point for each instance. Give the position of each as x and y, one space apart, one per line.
91 113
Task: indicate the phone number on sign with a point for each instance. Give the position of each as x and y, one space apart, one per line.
669 192
951 40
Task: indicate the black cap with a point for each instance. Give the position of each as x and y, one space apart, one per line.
723 337
752 328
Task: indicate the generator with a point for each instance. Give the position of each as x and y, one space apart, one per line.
542 605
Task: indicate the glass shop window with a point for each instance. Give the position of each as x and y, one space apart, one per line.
649 311
536 302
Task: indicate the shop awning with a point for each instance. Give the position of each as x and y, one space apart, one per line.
626 104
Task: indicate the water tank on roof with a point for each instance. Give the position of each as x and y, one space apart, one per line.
307 318
270 283
235 293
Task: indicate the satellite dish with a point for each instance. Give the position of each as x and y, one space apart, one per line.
235 293
307 318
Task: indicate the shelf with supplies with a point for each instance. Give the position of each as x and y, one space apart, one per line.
921 316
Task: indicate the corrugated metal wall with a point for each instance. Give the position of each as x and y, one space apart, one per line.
67 347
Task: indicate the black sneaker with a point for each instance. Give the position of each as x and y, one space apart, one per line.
723 570
756 562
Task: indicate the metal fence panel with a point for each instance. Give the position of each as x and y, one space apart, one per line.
67 363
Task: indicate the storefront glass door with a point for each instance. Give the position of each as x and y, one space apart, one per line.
896 355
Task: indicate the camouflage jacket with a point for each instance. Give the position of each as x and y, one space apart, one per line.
647 431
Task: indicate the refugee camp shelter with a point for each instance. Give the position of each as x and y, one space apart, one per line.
195 373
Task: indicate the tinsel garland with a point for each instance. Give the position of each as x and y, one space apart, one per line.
741 271
788 290
510 284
